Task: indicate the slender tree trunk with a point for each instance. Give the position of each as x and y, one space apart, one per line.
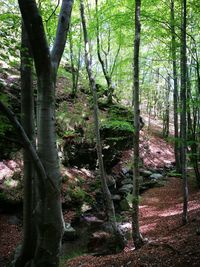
137 238
166 110
72 65
175 92
104 66
183 112
192 132
106 192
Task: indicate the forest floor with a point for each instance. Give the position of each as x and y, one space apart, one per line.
169 242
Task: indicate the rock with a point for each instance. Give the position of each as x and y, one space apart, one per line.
93 223
126 188
126 229
127 181
147 185
125 170
98 243
116 197
124 205
69 233
145 173
156 176
103 243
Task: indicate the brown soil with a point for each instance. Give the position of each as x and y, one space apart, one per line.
169 242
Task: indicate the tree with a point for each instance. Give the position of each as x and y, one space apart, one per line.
110 211
104 63
183 97
137 238
49 221
28 124
175 85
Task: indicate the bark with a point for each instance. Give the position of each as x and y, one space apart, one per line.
27 120
75 72
106 192
175 92
104 63
166 111
74 88
137 238
183 112
192 133
49 214
26 143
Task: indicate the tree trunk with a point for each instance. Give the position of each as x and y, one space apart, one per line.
28 123
137 238
183 112
104 66
175 92
48 211
110 211
166 110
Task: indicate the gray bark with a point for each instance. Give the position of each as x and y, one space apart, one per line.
175 92
49 214
137 237
104 64
106 192
27 120
183 111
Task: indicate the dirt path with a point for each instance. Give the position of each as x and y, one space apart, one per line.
170 243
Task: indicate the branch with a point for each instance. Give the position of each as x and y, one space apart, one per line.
62 30
54 11
36 34
29 147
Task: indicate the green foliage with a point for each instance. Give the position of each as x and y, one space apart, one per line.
4 123
173 174
117 125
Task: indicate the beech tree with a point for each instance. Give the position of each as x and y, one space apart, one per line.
183 97
110 210
137 238
47 205
175 85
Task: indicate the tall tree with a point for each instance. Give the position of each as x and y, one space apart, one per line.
110 210
183 97
28 123
137 237
48 206
175 85
104 63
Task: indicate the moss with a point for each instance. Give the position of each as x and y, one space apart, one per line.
117 125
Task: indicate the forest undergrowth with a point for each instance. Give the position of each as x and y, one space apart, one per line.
168 242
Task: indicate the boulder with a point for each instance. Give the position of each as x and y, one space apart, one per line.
116 197
126 188
127 181
69 233
156 176
145 173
